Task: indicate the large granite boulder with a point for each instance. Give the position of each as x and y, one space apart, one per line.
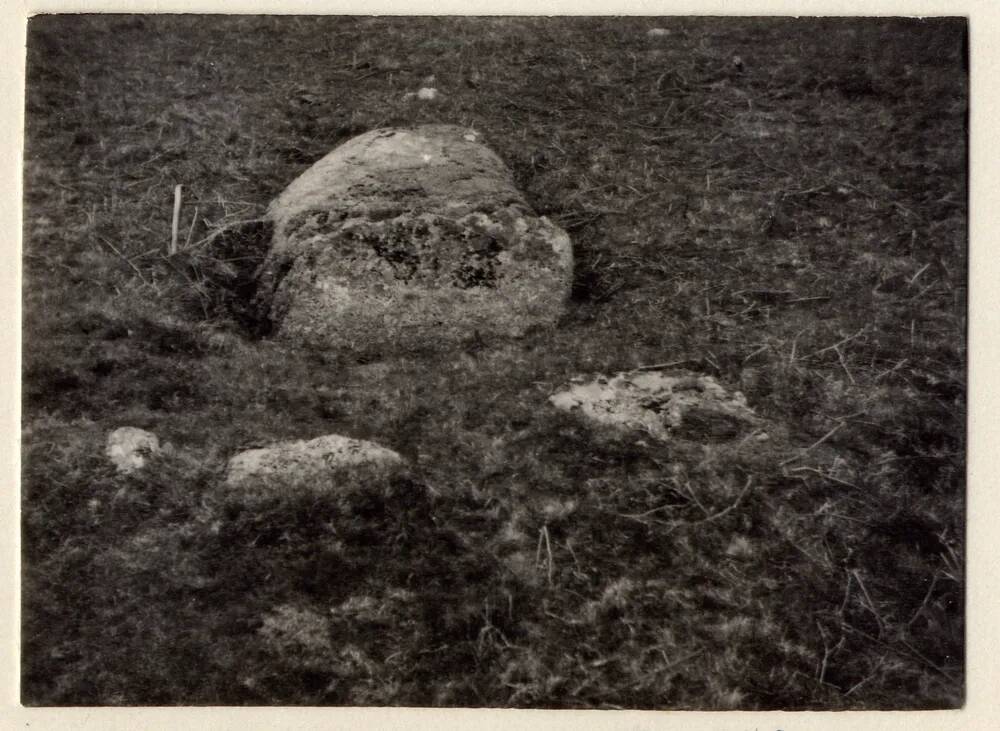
411 237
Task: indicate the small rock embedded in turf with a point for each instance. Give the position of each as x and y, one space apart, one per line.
411 237
684 405
129 448
286 463
424 94
657 32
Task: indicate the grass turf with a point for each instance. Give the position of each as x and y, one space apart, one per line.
792 222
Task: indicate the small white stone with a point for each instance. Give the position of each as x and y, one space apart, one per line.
657 32
428 93
129 448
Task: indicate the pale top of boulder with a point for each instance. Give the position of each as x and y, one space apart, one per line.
293 460
435 169
129 448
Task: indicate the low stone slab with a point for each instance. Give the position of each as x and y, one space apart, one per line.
411 237
129 448
286 463
681 405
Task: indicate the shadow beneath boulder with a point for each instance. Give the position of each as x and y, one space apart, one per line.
222 274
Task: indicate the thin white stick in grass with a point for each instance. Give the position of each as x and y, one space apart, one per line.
548 550
176 221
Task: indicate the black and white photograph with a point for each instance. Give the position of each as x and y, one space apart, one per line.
521 362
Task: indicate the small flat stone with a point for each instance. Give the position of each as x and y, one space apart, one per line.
286 463
668 406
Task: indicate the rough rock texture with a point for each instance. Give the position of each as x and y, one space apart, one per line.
129 448
290 462
682 405
411 237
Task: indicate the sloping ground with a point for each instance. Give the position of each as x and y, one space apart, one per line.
792 223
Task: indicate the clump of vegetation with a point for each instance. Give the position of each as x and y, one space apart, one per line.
793 225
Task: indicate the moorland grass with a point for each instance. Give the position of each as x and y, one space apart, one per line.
794 225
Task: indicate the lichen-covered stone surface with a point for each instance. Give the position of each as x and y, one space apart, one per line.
294 462
680 405
411 237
